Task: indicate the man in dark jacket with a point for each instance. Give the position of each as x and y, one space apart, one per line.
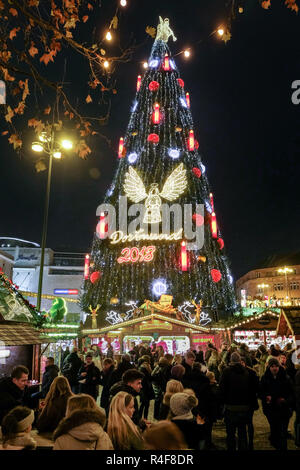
278 400
105 380
253 406
237 393
51 371
71 368
122 367
12 390
89 377
131 383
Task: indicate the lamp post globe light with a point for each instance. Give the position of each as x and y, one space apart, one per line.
52 147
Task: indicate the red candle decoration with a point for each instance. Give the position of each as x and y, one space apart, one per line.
121 147
95 276
216 275
191 140
183 257
153 86
180 82
214 226
221 243
102 227
153 138
198 219
187 97
197 172
138 84
156 114
166 64
86 266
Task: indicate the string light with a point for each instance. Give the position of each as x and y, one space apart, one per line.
108 36
187 53
106 64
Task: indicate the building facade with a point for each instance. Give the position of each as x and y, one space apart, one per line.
275 283
62 274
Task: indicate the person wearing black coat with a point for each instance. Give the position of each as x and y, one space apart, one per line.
71 368
122 367
147 393
105 381
278 400
89 377
12 390
160 376
51 371
237 393
131 383
254 405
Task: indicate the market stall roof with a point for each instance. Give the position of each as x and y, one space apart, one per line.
18 334
144 319
265 320
289 321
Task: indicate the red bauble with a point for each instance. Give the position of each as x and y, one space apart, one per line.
180 82
153 138
197 172
95 276
153 86
221 243
216 275
196 144
198 219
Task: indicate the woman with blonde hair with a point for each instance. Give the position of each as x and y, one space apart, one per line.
55 405
173 386
121 429
164 436
82 428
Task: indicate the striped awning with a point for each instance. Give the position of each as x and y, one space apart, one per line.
18 334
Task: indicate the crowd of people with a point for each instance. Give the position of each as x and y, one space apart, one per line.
191 393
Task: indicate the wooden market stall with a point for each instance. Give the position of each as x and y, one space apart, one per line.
289 325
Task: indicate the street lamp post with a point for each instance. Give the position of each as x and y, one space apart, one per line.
263 286
48 145
285 271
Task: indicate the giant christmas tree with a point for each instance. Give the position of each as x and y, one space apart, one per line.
159 163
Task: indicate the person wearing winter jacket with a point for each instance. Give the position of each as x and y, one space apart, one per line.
12 390
253 406
262 356
71 368
89 377
146 393
160 376
105 380
173 386
82 428
123 366
237 393
16 428
51 371
131 383
278 400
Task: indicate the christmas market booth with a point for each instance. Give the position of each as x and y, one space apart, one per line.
289 325
154 322
259 328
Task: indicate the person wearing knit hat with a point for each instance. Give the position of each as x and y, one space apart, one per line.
181 405
235 358
16 427
278 401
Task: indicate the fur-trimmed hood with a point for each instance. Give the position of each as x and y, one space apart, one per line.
75 425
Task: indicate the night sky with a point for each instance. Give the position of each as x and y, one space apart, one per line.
245 121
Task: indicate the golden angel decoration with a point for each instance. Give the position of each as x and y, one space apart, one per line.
164 31
135 190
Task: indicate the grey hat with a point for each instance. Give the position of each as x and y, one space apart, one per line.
182 403
235 358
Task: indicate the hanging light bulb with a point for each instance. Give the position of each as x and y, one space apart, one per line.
191 140
106 64
138 83
220 31
108 36
187 53
187 98
145 65
156 114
